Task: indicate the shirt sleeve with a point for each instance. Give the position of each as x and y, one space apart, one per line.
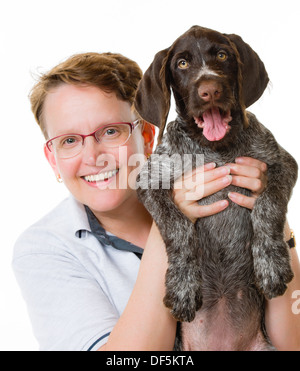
67 307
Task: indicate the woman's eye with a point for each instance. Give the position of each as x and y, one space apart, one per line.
183 64
69 141
222 56
110 132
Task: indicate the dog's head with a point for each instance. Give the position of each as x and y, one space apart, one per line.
213 76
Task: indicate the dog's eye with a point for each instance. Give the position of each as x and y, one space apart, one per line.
183 64
222 56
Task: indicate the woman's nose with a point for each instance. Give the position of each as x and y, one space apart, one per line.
90 151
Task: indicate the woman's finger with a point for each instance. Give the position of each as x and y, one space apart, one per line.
193 175
196 211
256 186
249 161
208 189
242 200
245 170
203 177
208 210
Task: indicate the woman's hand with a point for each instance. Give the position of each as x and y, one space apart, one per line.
250 174
245 172
209 180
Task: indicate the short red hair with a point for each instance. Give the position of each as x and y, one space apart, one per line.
112 73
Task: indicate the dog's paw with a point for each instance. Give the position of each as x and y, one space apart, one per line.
183 307
272 268
183 289
184 299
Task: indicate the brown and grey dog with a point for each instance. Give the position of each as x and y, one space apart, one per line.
222 268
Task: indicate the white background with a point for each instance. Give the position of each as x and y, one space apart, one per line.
35 35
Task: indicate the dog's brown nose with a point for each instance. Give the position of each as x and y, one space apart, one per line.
210 91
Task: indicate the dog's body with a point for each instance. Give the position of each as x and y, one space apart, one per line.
221 268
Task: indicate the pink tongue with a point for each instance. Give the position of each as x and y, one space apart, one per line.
214 129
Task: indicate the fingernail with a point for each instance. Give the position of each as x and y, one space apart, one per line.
209 166
227 179
224 203
232 167
225 170
232 196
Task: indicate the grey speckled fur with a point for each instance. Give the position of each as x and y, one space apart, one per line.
225 265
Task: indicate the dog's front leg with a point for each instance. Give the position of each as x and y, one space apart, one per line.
183 295
270 252
179 234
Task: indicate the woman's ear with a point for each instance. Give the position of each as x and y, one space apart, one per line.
148 133
51 159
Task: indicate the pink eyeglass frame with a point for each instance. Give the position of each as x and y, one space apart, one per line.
132 125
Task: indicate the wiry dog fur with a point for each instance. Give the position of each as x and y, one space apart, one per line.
222 268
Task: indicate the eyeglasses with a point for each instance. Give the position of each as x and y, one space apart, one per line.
112 135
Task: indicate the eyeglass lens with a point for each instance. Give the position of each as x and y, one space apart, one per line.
68 146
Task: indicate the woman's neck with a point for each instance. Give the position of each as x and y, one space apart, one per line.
132 223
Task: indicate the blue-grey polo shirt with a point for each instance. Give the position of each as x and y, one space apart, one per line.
75 277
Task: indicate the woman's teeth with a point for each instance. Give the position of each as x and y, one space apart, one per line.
101 177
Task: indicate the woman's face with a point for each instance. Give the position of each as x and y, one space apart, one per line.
76 109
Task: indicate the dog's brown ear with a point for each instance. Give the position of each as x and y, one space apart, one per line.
152 100
254 75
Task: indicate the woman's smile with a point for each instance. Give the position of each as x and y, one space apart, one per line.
101 178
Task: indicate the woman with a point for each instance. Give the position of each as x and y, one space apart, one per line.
79 267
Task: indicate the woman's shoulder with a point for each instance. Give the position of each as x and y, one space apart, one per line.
52 231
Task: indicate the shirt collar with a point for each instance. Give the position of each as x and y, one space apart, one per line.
80 219
85 222
109 239
96 228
